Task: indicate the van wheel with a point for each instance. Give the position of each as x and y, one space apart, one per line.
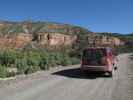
110 74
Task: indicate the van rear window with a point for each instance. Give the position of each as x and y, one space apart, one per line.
94 52
94 55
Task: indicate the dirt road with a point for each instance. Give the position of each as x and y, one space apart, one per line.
69 84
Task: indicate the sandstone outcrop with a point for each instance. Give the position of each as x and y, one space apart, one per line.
22 34
50 39
56 39
15 41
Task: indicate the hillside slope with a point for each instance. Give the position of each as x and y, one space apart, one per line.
37 27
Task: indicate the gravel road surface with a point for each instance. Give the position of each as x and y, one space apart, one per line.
69 84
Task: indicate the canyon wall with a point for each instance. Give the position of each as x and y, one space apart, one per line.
22 39
15 41
56 39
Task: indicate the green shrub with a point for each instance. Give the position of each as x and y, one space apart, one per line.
44 62
21 65
53 60
58 58
66 60
3 71
33 58
75 61
124 49
8 58
32 69
31 61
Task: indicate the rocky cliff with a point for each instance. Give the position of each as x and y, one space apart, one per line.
56 39
19 34
15 41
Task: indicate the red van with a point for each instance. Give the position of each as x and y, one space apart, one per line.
98 59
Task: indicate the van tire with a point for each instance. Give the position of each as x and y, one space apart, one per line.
110 74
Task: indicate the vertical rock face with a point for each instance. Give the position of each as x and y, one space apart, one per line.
50 39
15 41
101 40
23 39
117 41
19 34
56 39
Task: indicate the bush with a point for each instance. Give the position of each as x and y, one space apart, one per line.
124 49
66 60
33 58
33 61
21 65
54 59
75 61
29 63
7 58
44 62
57 57
3 72
51 60
32 69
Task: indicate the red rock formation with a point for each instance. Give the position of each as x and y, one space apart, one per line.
50 39
54 39
15 41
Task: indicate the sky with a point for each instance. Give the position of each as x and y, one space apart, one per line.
96 15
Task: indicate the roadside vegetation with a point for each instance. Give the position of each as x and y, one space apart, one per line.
124 49
31 61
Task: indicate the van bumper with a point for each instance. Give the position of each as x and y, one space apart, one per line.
94 68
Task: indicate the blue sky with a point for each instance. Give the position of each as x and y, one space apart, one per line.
96 15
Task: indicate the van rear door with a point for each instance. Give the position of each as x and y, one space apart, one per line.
94 57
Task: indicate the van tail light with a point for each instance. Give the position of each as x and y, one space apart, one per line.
104 60
108 62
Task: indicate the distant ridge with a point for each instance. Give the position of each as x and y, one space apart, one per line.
39 26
